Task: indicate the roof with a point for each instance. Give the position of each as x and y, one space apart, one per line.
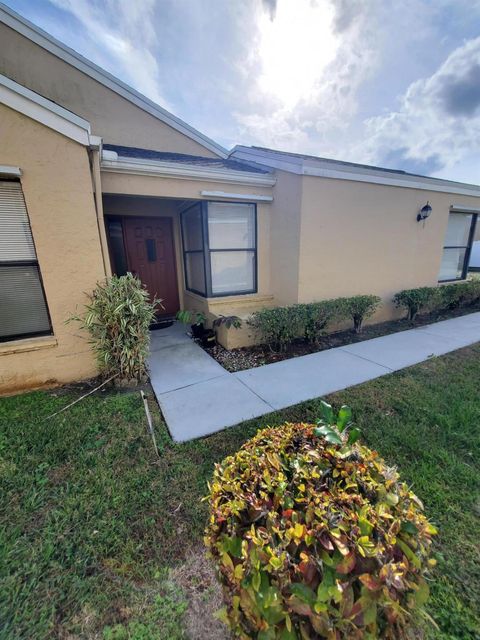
46 41
182 158
310 165
144 162
334 162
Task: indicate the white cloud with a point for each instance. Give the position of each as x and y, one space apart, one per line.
310 60
124 36
294 48
338 78
438 122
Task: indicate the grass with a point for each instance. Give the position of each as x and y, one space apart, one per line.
92 523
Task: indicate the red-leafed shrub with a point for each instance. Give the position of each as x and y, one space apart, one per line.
315 537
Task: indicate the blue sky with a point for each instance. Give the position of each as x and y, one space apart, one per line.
380 82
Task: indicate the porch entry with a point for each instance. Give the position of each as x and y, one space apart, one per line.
150 254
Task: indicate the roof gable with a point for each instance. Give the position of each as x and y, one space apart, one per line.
38 108
71 57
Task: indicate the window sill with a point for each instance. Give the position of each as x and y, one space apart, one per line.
238 297
27 344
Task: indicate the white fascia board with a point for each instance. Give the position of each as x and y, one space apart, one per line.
160 169
252 197
46 41
321 169
6 170
19 98
395 180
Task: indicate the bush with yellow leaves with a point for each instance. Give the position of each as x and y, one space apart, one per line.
314 536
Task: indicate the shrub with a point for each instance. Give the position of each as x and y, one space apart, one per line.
416 300
459 294
117 318
227 322
359 308
281 325
473 291
314 539
278 326
185 316
316 316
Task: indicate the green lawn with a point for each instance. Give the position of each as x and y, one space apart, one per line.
92 522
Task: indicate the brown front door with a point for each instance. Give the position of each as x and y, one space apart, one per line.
151 256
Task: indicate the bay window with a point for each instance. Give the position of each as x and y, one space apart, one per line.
458 245
220 248
23 310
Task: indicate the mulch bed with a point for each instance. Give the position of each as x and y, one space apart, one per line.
258 355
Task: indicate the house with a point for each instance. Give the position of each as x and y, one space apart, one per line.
95 179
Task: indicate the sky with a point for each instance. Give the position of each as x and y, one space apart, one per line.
395 84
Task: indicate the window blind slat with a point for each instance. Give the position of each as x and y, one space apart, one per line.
22 306
16 241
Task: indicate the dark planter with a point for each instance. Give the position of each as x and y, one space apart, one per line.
209 339
197 330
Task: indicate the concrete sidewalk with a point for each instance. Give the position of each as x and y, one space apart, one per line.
198 397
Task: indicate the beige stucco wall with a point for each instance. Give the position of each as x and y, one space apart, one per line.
285 237
364 238
57 187
111 116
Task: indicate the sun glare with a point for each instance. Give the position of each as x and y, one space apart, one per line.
295 47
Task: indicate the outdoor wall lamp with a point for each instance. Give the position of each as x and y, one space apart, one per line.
425 211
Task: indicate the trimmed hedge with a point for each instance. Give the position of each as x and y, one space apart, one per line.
443 297
416 300
280 326
460 294
359 308
314 539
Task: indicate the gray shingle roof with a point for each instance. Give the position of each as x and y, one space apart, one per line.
343 163
182 158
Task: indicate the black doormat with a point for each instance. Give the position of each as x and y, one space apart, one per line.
160 324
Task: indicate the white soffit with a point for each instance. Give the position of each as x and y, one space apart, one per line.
48 113
326 169
161 169
46 41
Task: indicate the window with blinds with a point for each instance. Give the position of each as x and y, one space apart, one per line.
23 309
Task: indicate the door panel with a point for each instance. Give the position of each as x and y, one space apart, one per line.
151 256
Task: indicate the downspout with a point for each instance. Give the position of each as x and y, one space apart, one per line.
96 150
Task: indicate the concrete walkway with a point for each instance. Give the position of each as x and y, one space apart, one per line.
198 396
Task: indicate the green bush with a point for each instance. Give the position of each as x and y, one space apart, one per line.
315 316
359 308
416 300
278 326
314 539
117 318
459 294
